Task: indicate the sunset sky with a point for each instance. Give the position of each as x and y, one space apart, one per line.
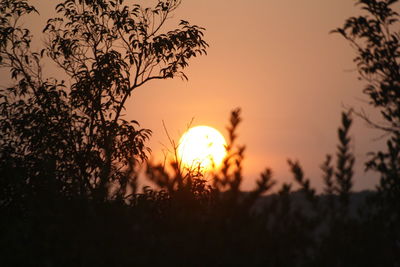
277 61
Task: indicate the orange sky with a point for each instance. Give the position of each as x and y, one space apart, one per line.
277 61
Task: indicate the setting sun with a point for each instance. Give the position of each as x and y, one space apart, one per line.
202 147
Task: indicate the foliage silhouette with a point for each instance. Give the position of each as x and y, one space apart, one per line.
375 37
76 135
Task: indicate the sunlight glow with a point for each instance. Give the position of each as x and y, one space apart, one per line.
202 147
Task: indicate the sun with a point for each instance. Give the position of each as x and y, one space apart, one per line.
201 147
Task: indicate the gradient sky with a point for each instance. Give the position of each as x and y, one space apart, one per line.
277 61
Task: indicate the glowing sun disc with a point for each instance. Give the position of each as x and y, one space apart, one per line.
202 147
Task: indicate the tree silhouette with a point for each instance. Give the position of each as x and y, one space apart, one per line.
375 37
75 135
